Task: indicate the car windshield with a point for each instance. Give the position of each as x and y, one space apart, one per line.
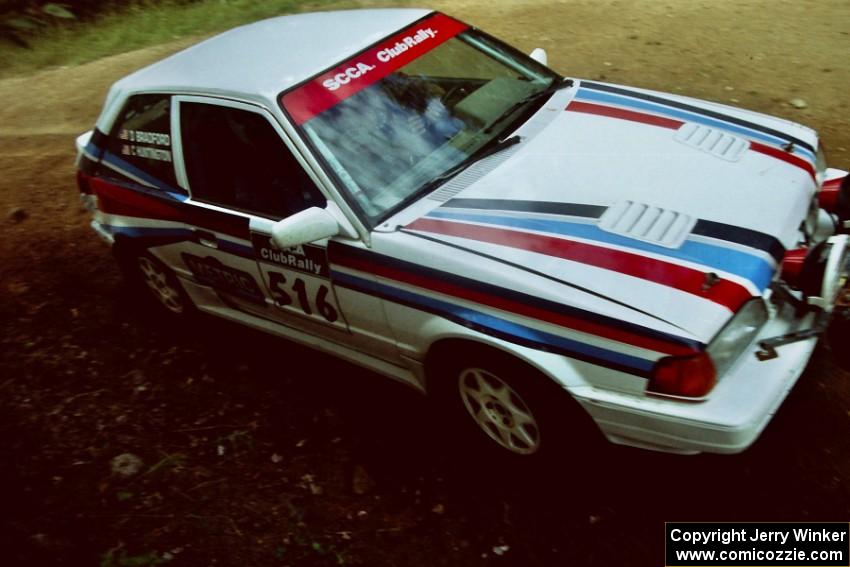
391 122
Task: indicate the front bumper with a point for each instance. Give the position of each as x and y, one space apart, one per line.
729 420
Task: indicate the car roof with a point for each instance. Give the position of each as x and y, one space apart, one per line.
261 59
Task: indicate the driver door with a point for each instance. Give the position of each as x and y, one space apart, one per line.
242 179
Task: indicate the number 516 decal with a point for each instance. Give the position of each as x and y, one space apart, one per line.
286 293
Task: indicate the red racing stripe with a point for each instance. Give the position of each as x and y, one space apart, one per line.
614 112
633 116
787 157
725 292
512 306
117 200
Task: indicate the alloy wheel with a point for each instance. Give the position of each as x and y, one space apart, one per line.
499 411
161 285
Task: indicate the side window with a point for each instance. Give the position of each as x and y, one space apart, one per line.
236 159
141 138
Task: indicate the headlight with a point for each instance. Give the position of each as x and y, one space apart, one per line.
736 336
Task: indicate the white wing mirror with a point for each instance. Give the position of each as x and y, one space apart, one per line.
539 55
306 226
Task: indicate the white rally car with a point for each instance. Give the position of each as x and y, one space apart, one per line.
408 193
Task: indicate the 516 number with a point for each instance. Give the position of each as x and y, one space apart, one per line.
282 297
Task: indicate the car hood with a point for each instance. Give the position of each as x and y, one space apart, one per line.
636 204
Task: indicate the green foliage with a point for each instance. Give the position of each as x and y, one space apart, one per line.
58 11
44 35
123 495
238 439
149 559
330 552
172 461
19 21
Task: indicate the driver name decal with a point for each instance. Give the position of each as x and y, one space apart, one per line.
136 137
330 88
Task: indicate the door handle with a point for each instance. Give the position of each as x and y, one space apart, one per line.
206 238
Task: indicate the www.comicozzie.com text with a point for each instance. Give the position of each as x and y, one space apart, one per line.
726 536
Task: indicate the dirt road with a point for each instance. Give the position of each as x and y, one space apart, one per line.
248 459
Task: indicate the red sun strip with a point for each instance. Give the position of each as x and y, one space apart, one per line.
357 73
725 292
484 298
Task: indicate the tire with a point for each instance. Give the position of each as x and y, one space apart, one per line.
157 283
506 407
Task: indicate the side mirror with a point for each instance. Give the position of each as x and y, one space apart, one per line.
539 55
306 226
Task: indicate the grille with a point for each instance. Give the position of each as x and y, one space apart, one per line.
647 223
711 140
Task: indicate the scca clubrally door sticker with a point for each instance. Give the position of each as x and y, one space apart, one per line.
304 258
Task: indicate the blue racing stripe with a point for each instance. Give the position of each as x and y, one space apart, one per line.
147 232
494 326
757 270
235 248
609 98
129 168
93 150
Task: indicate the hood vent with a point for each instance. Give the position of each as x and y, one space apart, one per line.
711 140
647 223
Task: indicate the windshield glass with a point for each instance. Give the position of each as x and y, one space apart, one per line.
390 121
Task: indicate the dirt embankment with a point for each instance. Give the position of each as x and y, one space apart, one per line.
249 458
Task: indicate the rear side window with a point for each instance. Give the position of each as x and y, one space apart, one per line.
140 142
236 159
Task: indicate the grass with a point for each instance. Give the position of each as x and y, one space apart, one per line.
142 24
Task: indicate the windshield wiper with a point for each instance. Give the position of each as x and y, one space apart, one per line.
486 151
555 86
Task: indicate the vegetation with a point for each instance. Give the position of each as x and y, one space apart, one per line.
35 35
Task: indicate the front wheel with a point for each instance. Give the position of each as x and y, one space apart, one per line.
499 410
504 404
